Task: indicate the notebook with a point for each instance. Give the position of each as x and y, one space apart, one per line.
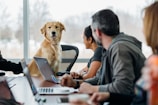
44 90
45 69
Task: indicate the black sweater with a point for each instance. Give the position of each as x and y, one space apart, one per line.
10 66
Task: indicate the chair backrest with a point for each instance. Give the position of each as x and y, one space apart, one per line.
69 56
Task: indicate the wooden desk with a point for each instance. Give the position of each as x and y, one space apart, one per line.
22 92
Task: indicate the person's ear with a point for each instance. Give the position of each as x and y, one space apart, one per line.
98 32
90 39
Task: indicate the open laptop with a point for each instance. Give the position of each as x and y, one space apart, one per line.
28 76
45 69
44 90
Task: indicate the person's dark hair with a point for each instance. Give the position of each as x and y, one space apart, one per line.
88 33
106 21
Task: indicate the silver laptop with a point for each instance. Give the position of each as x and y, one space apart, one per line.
29 78
45 69
44 90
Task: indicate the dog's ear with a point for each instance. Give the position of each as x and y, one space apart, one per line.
43 30
62 26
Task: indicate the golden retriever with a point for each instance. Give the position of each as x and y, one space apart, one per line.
50 47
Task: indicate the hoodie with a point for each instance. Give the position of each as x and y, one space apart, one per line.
121 66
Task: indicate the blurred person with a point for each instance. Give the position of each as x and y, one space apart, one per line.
94 62
7 65
147 85
121 62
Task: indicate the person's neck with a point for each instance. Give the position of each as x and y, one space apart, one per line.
106 41
94 46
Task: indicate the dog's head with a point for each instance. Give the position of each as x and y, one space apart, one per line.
53 31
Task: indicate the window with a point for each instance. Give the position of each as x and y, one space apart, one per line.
11 28
75 15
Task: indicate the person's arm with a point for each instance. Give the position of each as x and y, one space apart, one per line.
122 71
94 80
94 67
10 66
83 71
87 85
78 102
77 75
68 81
94 64
85 74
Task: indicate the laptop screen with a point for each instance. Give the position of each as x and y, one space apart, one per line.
28 76
44 68
23 63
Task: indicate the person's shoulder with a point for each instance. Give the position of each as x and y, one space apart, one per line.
99 49
125 39
97 54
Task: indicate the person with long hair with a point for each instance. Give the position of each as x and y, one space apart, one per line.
94 62
147 85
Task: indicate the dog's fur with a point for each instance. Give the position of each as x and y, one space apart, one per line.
50 47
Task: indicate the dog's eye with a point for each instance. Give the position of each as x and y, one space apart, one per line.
49 27
56 26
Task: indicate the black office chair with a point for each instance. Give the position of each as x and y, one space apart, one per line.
69 56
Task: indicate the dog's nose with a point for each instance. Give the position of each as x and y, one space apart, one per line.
53 33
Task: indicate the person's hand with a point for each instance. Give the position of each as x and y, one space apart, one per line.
88 88
98 97
75 75
67 80
81 102
78 102
82 72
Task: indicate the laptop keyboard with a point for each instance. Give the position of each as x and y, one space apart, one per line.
45 90
56 90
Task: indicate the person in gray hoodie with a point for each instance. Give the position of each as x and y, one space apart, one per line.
121 63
